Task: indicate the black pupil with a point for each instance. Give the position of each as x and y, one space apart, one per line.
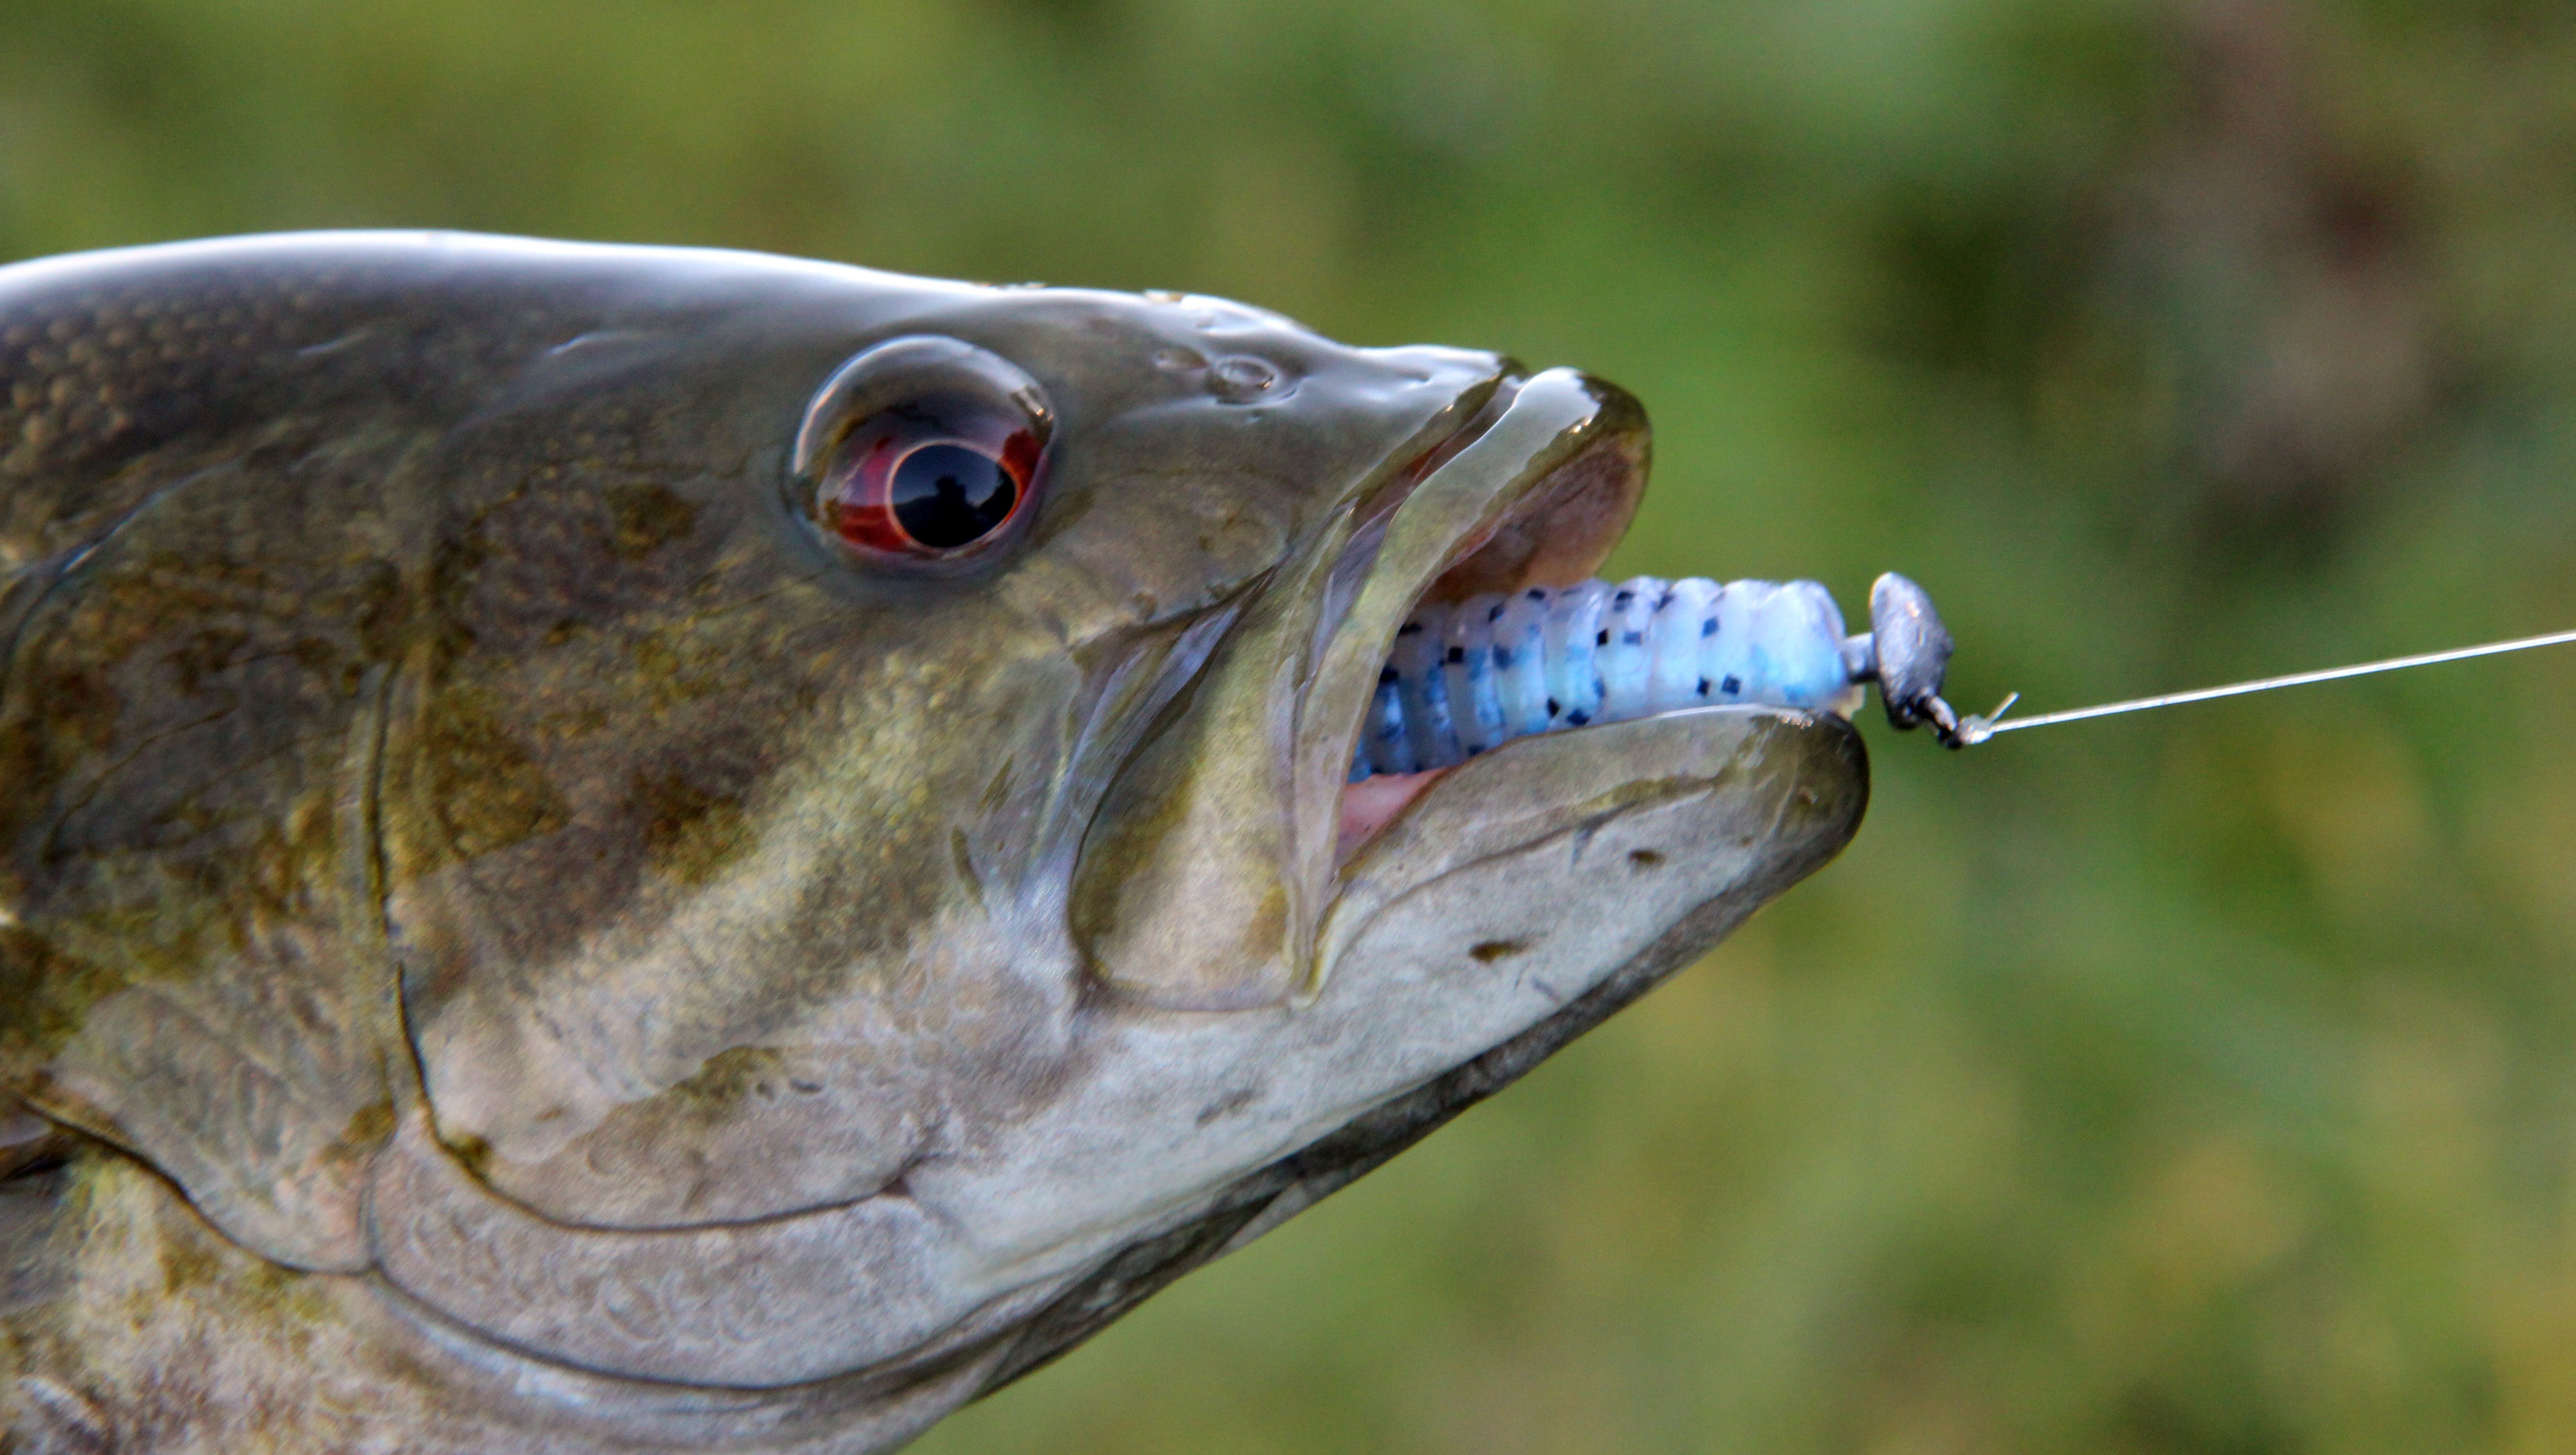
946 496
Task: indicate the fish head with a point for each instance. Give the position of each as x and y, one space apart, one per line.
535 777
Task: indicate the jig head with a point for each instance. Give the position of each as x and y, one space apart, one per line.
1906 651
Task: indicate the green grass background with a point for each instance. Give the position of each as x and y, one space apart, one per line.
2197 1083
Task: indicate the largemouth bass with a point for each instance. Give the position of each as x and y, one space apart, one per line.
610 848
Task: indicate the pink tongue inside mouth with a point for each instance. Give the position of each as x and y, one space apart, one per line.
1373 803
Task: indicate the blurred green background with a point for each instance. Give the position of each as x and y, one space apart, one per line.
2197 1082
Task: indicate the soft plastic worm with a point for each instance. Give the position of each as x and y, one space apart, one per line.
1474 674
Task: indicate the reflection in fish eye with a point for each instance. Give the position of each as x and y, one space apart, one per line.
949 495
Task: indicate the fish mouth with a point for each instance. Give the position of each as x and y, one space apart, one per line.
1534 490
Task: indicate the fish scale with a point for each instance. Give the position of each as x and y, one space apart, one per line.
1465 677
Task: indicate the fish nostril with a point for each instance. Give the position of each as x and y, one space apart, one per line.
1237 378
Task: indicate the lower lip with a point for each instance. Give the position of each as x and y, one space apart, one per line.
1373 803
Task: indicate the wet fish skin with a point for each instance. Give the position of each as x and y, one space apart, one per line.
443 786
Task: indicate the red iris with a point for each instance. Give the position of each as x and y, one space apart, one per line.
927 482
923 455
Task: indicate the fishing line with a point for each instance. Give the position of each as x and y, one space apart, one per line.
1974 729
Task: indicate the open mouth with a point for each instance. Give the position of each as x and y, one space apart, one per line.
1558 500
1508 638
1479 622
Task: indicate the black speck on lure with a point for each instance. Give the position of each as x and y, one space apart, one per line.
610 848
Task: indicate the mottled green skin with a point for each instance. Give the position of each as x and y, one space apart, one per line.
434 754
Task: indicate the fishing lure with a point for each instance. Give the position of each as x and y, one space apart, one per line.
1471 675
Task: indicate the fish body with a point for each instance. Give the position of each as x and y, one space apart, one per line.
615 848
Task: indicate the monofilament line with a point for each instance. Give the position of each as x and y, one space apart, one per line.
1978 729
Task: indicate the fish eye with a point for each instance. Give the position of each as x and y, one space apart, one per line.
922 454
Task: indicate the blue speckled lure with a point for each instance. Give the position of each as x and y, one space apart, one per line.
1471 675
